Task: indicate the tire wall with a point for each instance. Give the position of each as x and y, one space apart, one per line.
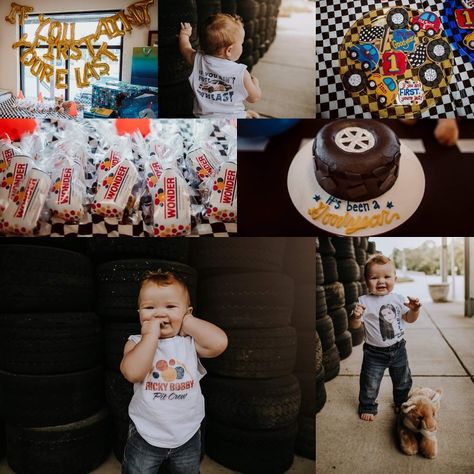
260 395
339 283
260 22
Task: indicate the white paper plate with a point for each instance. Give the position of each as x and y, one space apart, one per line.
348 218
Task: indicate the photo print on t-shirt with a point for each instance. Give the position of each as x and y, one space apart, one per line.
388 315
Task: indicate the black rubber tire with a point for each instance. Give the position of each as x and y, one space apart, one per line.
250 452
371 247
365 290
344 344
115 338
304 310
326 248
321 307
229 6
206 8
118 393
119 437
363 242
334 295
49 343
331 363
344 247
37 278
118 285
361 273
248 9
330 269
256 353
170 16
321 395
2 440
300 257
351 292
249 27
306 437
250 404
357 336
339 320
348 270
247 47
319 353
58 399
305 350
325 329
248 61
319 270
238 255
247 300
360 290
400 12
75 448
104 249
317 243
176 101
361 256
307 383
173 69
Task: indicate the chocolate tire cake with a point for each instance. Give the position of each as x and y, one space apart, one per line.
356 160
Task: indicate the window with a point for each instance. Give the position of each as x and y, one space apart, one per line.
85 24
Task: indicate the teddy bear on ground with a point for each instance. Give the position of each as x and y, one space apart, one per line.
418 424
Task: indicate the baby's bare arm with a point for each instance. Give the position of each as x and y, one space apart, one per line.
356 315
209 339
138 358
252 87
185 47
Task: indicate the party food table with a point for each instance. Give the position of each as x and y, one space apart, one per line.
448 174
344 32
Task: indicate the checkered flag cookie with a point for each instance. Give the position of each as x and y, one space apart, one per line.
371 33
418 57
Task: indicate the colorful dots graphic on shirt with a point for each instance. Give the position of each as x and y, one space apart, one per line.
156 375
168 371
179 372
161 365
169 374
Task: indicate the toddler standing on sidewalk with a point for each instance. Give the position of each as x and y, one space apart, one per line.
383 314
219 83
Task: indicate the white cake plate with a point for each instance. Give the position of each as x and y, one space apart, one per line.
367 218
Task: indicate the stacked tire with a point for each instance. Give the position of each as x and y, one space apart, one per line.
299 264
329 301
361 257
252 398
117 283
176 97
51 378
349 273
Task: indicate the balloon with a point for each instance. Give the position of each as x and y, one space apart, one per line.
124 126
22 42
73 110
75 52
79 82
104 68
53 36
88 40
16 128
60 79
101 29
138 12
49 54
126 24
22 10
103 50
62 49
89 72
46 72
24 55
37 67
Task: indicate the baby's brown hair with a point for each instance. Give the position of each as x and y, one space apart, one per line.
377 259
164 278
218 32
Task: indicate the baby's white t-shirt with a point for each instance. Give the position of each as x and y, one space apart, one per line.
168 406
218 86
382 318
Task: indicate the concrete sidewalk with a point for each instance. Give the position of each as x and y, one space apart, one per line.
287 72
440 349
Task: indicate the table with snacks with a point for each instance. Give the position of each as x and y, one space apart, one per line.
267 208
119 178
395 59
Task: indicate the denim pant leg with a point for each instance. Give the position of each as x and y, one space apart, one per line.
141 457
373 368
400 375
186 458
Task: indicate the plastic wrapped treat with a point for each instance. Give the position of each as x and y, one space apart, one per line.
222 204
12 178
7 152
114 190
67 193
203 162
22 215
172 206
